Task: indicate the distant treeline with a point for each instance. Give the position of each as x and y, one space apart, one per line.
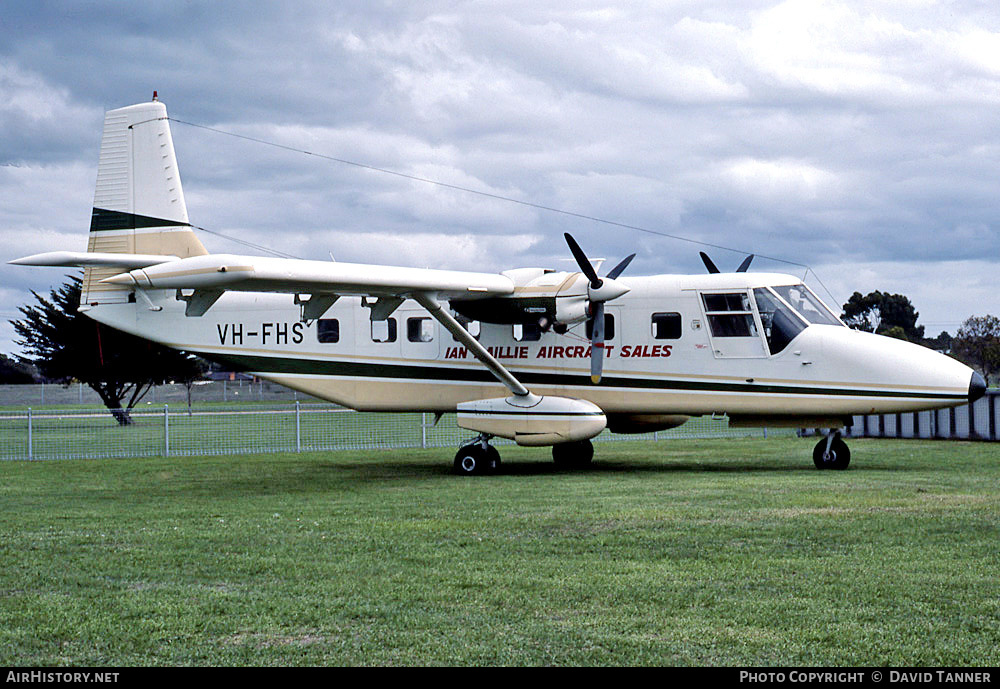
13 372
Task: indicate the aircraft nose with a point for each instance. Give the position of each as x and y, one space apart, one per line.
977 387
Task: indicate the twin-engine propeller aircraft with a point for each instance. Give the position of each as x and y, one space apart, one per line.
543 357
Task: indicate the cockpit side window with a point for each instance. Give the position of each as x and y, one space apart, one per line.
730 315
780 324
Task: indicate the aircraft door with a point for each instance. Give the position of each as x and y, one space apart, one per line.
733 325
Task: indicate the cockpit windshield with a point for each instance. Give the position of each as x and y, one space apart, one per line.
781 323
807 304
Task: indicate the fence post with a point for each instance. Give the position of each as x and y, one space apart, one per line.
166 430
298 428
992 409
30 449
423 430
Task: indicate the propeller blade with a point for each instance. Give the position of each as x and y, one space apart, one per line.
620 268
581 260
597 344
708 262
746 264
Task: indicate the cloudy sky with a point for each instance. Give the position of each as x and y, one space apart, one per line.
858 138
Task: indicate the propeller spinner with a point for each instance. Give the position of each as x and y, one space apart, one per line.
598 291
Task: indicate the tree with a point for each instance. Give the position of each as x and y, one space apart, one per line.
895 331
15 372
881 312
941 343
977 343
65 346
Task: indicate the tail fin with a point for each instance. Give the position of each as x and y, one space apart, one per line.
139 203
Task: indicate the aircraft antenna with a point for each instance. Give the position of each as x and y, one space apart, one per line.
244 242
499 197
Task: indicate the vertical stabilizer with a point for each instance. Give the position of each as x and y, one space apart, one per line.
139 203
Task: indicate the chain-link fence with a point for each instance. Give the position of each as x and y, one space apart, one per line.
203 391
172 430
244 416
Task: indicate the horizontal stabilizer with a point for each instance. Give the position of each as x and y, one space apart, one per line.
80 259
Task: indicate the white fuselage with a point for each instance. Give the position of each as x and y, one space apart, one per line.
825 371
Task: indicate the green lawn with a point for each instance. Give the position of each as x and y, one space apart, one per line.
690 552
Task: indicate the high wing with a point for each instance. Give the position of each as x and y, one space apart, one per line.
324 282
294 276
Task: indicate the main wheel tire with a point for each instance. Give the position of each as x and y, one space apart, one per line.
492 459
838 457
475 460
574 455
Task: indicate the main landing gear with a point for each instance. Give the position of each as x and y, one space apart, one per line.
573 455
478 458
831 452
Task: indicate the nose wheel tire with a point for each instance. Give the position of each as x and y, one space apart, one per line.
838 456
477 459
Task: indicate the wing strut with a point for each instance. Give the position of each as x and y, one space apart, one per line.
462 335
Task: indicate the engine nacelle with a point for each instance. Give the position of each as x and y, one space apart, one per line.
571 310
542 297
535 421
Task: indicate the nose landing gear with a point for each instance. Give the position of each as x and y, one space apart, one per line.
831 452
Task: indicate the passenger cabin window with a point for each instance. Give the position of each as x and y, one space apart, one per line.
328 330
419 329
730 315
527 332
609 327
384 331
666 326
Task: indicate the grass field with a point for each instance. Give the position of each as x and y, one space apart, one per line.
693 552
